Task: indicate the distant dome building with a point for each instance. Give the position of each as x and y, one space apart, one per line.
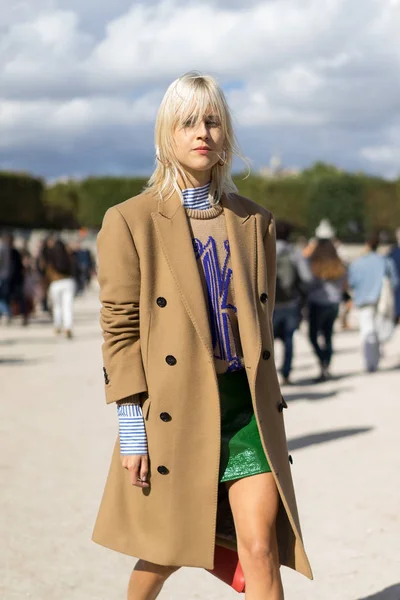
275 169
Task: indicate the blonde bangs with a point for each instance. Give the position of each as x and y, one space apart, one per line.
192 97
196 101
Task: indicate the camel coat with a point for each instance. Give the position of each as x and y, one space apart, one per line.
163 352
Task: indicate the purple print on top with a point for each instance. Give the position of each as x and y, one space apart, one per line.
218 284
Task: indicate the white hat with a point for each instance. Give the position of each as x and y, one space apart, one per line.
325 230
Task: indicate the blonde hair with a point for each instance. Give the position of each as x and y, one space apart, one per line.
192 96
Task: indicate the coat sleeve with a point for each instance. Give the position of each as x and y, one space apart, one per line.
270 256
119 279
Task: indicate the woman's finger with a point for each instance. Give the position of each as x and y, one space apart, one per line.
134 473
144 470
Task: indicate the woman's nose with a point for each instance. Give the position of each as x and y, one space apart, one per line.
202 131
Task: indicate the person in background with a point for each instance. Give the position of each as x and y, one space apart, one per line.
292 279
62 286
326 292
366 275
41 264
4 278
347 302
83 266
16 295
394 254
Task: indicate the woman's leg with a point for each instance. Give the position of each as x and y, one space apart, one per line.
314 323
147 580
327 330
55 297
254 502
68 304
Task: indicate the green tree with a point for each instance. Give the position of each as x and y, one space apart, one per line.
341 199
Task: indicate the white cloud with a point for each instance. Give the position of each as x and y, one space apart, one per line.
383 154
33 123
313 78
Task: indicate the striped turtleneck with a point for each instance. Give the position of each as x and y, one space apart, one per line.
197 198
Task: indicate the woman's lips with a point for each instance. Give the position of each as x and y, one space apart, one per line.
202 150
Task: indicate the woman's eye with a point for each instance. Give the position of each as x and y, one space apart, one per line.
189 122
212 123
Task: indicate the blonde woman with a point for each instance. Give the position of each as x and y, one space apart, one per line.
187 279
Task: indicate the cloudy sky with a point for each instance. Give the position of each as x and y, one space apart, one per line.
80 82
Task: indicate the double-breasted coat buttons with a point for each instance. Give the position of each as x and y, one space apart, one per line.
264 297
107 381
170 360
162 470
162 303
164 416
266 355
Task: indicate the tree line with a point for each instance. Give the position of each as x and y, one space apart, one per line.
355 203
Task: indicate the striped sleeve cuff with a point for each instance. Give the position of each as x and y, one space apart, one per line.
132 432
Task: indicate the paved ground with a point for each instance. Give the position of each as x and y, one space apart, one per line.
56 436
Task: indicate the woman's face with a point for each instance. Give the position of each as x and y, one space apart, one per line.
199 145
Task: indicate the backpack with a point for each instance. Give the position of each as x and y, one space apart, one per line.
286 278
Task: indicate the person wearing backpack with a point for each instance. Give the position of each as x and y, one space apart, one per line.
292 279
59 273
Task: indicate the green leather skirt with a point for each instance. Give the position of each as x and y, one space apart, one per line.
242 453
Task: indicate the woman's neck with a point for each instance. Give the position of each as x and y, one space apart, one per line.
194 179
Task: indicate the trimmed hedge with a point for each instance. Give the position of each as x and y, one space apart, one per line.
97 194
354 203
21 201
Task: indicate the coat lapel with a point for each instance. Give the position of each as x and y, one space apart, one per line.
176 242
174 235
242 235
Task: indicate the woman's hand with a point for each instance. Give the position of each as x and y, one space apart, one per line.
138 467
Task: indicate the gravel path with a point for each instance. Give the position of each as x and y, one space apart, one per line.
56 437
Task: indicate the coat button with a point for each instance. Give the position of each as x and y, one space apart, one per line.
171 360
290 459
264 297
164 416
282 404
162 470
266 355
107 381
162 303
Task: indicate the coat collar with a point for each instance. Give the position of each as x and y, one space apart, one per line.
171 206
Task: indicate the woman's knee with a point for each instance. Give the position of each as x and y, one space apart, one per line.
260 554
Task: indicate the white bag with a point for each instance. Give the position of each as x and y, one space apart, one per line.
385 312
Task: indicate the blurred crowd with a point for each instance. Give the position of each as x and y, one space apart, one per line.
43 281
316 284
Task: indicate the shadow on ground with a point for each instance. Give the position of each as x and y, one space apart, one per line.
326 436
334 377
22 361
390 593
314 396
